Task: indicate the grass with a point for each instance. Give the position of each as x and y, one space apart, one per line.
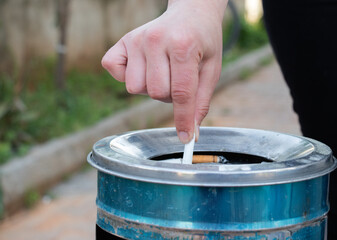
41 112
245 73
266 61
250 38
31 198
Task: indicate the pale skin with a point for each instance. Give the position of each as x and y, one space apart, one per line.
174 58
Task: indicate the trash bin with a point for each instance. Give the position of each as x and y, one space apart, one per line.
271 186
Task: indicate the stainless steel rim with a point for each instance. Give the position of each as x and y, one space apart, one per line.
293 158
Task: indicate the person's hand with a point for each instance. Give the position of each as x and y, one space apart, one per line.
174 58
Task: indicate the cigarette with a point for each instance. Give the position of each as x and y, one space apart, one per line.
188 152
200 159
205 159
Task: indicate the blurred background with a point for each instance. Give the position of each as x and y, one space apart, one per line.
50 72
52 84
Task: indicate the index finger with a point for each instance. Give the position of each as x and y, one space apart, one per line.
184 84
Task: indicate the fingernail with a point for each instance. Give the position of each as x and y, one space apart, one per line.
184 137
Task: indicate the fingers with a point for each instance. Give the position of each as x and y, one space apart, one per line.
184 62
167 74
157 67
158 78
135 72
115 61
127 64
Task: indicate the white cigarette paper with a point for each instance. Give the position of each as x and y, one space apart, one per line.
188 152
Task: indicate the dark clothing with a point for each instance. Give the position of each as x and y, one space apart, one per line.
303 34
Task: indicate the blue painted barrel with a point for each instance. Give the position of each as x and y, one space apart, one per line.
274 186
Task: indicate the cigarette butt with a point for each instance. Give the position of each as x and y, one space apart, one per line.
205 159
200 159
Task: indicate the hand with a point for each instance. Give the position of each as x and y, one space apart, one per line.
174 58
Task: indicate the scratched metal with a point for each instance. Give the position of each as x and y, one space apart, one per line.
143 199
135 209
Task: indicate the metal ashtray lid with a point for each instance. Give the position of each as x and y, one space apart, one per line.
285 158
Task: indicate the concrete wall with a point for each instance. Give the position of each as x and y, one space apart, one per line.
28 28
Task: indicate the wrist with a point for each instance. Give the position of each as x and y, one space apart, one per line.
211 7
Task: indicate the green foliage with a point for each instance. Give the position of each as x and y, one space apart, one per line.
31 198
227 30
41 112
14 116
252 36
86 167
245 73
267 60
5 152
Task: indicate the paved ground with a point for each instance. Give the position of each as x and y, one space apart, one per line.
261 101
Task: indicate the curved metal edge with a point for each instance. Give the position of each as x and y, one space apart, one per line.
129 228
135 168
191 182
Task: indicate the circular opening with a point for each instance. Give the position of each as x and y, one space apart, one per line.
238 146
253 157
222 157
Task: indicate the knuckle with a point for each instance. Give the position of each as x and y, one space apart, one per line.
181 95
203 111
113 68
182 48
107 63
133 39
182 41
182 124
158 94
133 89
137 40
154 36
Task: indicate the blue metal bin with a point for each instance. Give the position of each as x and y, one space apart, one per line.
273 187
